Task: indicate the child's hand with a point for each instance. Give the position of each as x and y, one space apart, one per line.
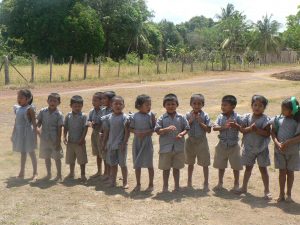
234 125
253 127
81 141
179 136
171 128
284 145
278 145
65 141
38 132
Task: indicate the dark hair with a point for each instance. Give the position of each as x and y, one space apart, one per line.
76 99
197 96
117 97
109 94
55 96
27 94
141 99
230 99
287 103
170 98
98 95
259 98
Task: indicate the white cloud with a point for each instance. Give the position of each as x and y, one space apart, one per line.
182 10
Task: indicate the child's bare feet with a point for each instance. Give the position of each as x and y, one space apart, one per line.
95 175
219 187
125 186
58 179
111 184
241 191
176 189
20 176
34 177
189 184
150 188
137 188
70 176
47 177
268 196
105 178
206 188
281 198
289 199
165 189
83 178
235 188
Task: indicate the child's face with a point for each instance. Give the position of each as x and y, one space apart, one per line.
22 100
146 107
258 108
96 101
53 103
227 108
118 106
76 107
171 106
105 101
286 111
197 105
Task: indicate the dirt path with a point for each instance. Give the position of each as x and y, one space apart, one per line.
212 77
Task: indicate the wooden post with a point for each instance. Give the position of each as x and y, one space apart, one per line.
192 66
182 66
119 68
51 61
139 61
85 66
32 68
99 68
70 68
6 70
167 65
157 65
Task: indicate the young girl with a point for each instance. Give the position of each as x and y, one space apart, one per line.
24 134
286 136
142 124
256 139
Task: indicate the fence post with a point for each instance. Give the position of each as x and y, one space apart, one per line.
119 68
32 68
157 65
167 65
85 66
139 61
182 66
6 70
51 61
70 68
99 68
192 66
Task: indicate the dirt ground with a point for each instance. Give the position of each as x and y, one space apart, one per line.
288 75
46 202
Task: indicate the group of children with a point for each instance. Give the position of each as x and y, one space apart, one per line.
111 129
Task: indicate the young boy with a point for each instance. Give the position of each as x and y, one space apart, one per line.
228 123
76 126
51 120
106 110
171 128
115 137
95 140
196 144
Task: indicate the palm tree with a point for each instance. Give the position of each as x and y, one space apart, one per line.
227 12
266 39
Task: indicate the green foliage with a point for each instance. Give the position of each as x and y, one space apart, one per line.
292 35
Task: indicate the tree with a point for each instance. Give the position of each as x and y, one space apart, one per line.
292 34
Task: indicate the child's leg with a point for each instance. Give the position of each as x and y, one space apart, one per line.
113 175
290 181
206 175
151 177
236 174
23 162
166 174
176 175
82 169
247 176
282 180
190 175
124 175
48 167
265 178
34 164
58 168
99 164
72 170
138 178
221 176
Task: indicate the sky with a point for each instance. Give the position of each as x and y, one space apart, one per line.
179 11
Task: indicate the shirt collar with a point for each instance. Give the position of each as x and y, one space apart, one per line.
167 115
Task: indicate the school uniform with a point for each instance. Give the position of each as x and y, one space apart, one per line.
255 146
76 124
196 145
171 152
228 148
51 122
95 137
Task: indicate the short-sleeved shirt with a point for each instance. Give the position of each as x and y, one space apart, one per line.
75 124
230 136
286 128
104 111
93 116
254 142
195 129
116 125
168 141
142 121
50 121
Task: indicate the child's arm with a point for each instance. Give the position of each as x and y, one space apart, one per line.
31 115
159 127
14 130
185 128
126 137
59 132
205 127
263 132
105 133
85 130
291 141
66 130
274 138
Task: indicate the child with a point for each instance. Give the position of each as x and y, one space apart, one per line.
116 135
196 144
256 138
95 140
106 101
142 124
76 126
171 128
286 136
51 120
228 148
24 136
